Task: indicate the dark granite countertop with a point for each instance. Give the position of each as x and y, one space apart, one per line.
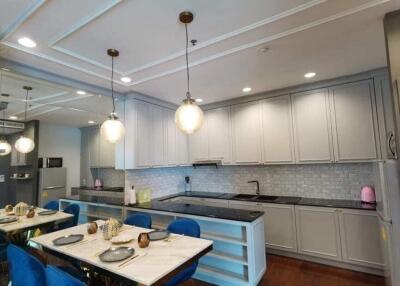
97 200
348 204
102 189
206 211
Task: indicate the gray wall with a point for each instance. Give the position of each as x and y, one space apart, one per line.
335 181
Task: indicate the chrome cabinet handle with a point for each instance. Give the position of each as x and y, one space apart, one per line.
53 187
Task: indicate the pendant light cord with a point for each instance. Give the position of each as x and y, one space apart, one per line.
187 63
26 103
112 83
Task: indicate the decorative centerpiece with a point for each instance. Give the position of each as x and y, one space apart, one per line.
9 208
92 227
111 228
30 213
21 209
144 240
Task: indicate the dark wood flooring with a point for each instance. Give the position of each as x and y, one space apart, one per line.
284 271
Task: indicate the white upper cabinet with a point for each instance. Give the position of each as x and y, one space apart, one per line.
312 129
219 134
144 132
246 129
199 144
277 130
159 118
170 147
354 121
120 145
182 148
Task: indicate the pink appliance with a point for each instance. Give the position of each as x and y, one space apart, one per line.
368 194
98 184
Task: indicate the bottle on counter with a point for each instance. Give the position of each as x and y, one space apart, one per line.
188 187
130 196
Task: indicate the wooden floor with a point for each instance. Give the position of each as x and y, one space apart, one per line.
284 271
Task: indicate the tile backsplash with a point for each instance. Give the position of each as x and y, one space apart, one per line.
110 177
332 181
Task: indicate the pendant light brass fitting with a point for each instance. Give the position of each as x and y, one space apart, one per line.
186 17
113 53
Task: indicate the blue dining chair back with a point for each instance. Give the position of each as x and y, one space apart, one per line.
52 205
186 227
24 269
57 277
139 219
74 210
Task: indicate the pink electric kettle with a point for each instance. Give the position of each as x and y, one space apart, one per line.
368 194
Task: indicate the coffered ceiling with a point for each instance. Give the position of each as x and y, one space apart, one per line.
330 37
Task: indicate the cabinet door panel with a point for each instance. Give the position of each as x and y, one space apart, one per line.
219 134
354 118
198 143
158 136
280 227
107 152
143 135
247 133
360 238
318 232
182 147
171 156
277 130
312 127
94 147
130 134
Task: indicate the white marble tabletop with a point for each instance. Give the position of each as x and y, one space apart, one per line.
152 264
27 223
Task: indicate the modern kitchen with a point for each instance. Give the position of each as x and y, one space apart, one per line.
200 142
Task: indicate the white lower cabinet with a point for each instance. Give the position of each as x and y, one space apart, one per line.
360 237
318 232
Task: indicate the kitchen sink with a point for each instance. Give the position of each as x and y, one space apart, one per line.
245 196
266 198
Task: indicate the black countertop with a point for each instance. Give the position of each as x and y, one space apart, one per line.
97 200
343 204
206 211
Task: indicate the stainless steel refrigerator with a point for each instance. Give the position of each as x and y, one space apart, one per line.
388 202
52 184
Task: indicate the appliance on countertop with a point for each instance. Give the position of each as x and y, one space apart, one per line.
50 162
368 195
98 183
52 184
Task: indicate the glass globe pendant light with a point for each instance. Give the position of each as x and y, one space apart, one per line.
25 144
5 147
112 129
189 116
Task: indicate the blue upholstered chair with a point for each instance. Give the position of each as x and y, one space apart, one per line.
24 269
52 205
139 219
74 210
186 227
57 277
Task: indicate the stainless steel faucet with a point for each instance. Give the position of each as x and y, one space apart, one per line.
258 186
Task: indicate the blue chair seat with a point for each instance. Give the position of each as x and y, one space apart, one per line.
52 205
24 269
57 277
139 219
182 276
74 210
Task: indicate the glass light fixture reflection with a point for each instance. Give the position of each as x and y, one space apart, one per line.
189 116
5 147
112 129
25 144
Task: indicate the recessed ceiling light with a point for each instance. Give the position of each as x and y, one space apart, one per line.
91 122
126 79
310 74
263 49
199 100
246 89
13 117
5 69
27 42
81 92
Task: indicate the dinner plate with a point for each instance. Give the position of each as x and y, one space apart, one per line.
47 212
115 254
158 234
8 219
68 239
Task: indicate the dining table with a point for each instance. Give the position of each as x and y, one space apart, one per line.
24 224
151 265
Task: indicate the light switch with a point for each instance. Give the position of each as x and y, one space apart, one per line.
2 178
